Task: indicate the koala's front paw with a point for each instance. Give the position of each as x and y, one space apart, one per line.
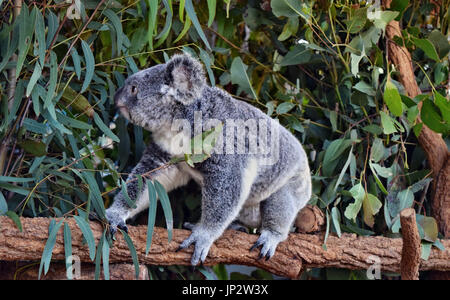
269 241
115 222
202 242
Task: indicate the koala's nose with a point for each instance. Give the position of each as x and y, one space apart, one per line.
118 97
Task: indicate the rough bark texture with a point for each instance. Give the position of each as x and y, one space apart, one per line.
57 271
410 262
431 142
310 219
297 252
441 200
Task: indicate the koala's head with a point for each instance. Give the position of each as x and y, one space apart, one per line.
149 97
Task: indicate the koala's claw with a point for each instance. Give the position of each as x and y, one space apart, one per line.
202 246
188 225
115 222
269 242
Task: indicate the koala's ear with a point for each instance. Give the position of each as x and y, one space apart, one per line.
185 78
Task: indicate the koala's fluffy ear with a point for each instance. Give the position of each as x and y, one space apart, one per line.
185 78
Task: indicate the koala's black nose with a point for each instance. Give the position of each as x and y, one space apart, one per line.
118 96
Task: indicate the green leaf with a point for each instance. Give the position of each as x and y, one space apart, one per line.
334 150
298 55
377 151
185 29
426 47
381 18
48 248
94 191
430 228
105 256
26 26
90 65
77 101
289 29
153 10
164 198
405 199
151 214
357 21
16 179
105 128
15 218
68 249
377 180
40 35
88 235
353 209
392 98
34 78
132 251
365 88
115 20
431 117
204 56
211 11
239 76
371 206
98 257
193 16
3 205
444 106
124 192
440 43
426 250
76 62
289 8
344 169
166 30
284 107
208 275
52 81
36 148
374 129
335 217
387 123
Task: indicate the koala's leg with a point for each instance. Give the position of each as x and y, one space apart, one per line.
170 177
223 195
278 213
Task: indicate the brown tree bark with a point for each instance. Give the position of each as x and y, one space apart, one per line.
410 262
432 143
310 219
299 251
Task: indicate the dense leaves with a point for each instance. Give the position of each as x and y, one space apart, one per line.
319 67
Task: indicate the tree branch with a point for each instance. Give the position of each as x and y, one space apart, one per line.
299 251
411 249
432 143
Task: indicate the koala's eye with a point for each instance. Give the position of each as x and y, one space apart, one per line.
133 90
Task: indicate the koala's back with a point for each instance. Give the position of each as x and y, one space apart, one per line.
284 159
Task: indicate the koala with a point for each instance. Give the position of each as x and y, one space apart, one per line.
263 188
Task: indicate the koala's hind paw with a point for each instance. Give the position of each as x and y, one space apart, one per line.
202 244
269 242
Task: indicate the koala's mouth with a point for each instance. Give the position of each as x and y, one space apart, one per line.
124 111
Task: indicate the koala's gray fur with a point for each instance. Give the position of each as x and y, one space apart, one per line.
235 187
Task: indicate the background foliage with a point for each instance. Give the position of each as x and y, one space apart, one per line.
320 67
